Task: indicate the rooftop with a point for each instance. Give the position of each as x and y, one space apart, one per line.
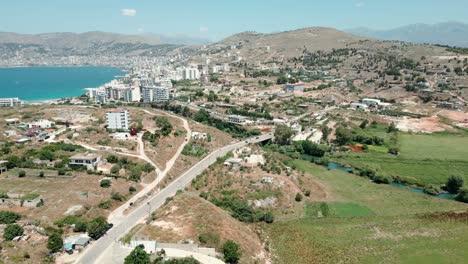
85 156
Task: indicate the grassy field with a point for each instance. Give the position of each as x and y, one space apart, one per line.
436 146
370 223
424 159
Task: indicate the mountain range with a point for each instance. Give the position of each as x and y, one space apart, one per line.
450 33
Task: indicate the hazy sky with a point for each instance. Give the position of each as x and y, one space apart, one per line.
215 19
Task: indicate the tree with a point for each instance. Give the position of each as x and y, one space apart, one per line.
325 132
96 227
462 195
231 251
454 184
283 134
7 217
138 256
11 231
55 243
343 136
165 126
298 197
185 111
106 183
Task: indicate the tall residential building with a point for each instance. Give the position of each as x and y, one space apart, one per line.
11 102
118 119
132 94
155 94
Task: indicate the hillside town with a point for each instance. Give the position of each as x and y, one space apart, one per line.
237 147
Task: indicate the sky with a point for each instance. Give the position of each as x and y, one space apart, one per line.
216 19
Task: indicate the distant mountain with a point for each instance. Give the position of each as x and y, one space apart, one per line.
256 47
176 39
89 43
450 33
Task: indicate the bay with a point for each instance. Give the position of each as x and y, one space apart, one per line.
46 83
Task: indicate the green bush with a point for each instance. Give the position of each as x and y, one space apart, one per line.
462 195
21 173
231 251
11 231
268 217
7 217
298 197
106 183
209 238
96 227
454 184
55 243
117 197
105 204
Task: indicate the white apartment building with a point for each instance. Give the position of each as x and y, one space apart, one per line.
132 95
118 119
11 102
99 95
155 94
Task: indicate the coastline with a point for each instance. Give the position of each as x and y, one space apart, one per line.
57 98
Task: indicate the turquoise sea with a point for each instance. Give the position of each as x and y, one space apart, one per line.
45 83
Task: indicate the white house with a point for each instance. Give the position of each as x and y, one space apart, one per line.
11 102
85 159
42 123
118 119
369 101
294 87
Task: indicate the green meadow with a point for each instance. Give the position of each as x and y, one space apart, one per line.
369 223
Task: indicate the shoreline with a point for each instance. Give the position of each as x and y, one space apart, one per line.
58 99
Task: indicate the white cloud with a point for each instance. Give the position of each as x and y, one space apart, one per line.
359 4
203 29
140 30
128 12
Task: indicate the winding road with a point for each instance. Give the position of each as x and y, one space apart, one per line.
101 251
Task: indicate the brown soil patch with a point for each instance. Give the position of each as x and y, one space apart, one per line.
188 216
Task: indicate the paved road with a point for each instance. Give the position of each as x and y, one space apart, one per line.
118 214
100 251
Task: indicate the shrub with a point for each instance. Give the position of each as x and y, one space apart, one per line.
209 238
462 195
41 174
97 227
55 243
117 197
7 217
106 183
11 231
80 226
115 169
298 197
431 190
105 204
454 184
382 179
138 255
268 217
204 195
231 251
132 189
21 173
